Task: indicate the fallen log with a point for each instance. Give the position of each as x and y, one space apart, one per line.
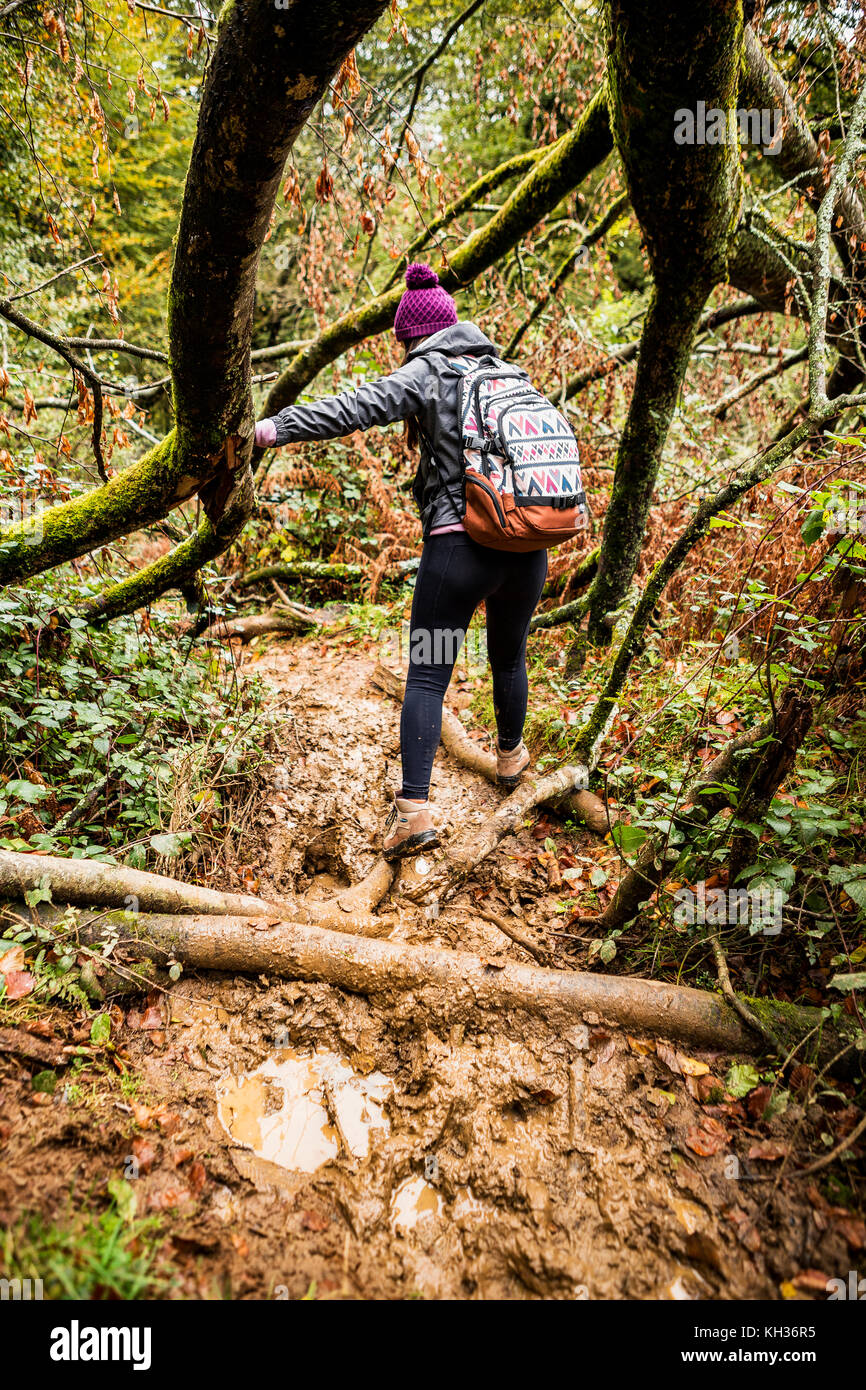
88 883
581 803
453 985
282 619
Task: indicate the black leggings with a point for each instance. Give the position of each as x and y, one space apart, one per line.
454 576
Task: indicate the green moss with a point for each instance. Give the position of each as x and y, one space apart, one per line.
816 1038
135 497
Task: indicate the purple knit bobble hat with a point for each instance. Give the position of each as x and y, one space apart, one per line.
425 306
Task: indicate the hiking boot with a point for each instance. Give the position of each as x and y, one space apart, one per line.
408 829
511 765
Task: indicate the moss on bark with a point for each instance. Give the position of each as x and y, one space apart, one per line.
139 495
687 198
174 570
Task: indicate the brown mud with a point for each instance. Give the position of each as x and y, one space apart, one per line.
303 1141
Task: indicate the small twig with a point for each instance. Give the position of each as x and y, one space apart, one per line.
189 19
514 933
281 593
23 294
62 348
737 1004
834 1153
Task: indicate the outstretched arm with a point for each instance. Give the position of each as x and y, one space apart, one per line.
393 397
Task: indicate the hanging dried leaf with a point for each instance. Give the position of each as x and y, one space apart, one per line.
348 79
324 184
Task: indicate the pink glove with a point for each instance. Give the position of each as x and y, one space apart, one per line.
266 433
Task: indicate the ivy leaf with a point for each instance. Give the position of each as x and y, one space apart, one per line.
856 890
741 1079
22 790
40 894
170 845
100 1030
813 527
628 837
855 980
781 827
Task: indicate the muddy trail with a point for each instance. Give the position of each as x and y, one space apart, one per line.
304 1141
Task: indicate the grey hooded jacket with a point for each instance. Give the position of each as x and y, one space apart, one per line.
426 386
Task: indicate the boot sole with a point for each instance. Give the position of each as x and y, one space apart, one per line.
428 839
511 782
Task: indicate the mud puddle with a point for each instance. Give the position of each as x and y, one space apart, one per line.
300 1112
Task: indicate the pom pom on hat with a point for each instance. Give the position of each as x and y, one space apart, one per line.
425 307
420 276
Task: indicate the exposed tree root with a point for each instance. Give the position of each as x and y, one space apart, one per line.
368 892
841 1148
516 933
87 883
456 983
582 804
453 985
750 1019
465 854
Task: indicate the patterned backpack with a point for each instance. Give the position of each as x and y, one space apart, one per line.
521 465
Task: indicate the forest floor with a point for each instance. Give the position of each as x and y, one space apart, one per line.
297 1141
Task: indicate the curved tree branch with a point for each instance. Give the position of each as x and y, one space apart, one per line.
554 174
266 72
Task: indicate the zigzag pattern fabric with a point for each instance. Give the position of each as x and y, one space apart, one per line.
515 435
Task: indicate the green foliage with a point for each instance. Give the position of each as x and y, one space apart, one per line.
109 1255
741 1079
170 733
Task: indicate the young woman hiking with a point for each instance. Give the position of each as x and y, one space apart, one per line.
456 573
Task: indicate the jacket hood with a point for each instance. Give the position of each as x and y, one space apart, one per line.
459 338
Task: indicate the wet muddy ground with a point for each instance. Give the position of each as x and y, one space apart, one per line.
303 1141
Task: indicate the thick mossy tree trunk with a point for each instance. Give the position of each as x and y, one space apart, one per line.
799 158
663 59
268 68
